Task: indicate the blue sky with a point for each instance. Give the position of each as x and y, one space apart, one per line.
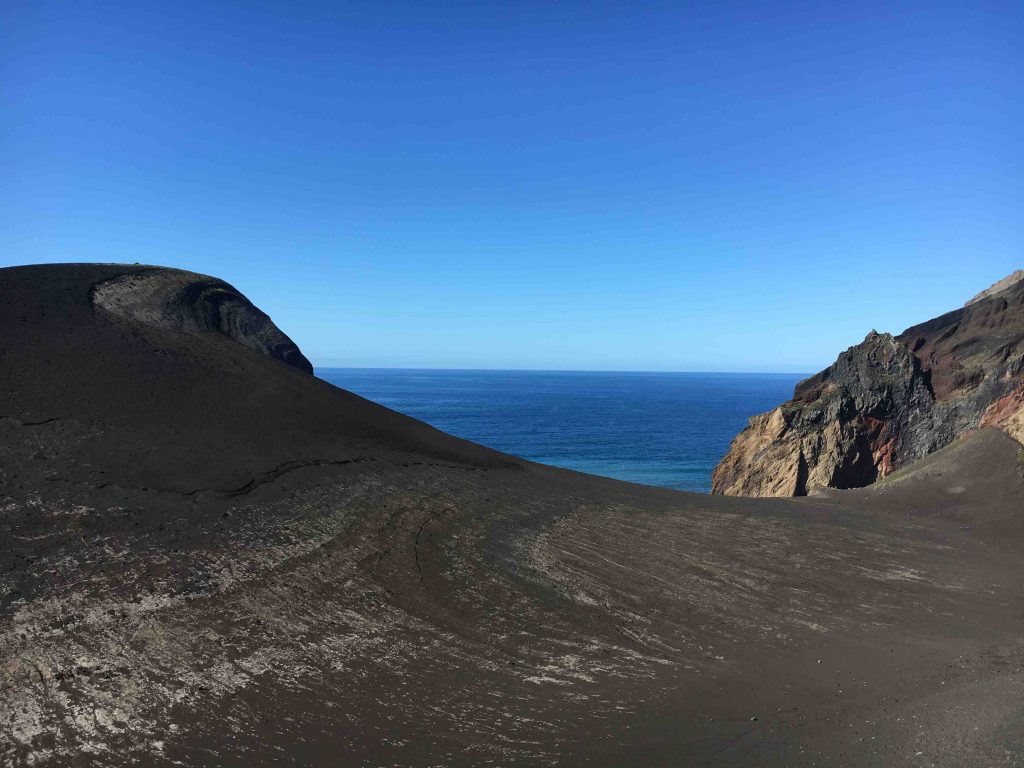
660 186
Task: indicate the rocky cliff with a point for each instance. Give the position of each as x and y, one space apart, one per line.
889 401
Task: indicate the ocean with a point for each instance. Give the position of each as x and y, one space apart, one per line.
666 429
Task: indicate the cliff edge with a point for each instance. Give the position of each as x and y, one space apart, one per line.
889 401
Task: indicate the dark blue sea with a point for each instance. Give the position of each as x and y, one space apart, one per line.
667 429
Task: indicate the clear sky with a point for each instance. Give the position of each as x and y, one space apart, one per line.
590 185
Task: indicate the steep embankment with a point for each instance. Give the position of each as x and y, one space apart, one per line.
148 377
212 558
889 401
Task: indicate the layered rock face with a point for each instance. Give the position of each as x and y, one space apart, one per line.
889 401
194 303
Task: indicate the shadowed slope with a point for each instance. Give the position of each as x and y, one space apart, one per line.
212 558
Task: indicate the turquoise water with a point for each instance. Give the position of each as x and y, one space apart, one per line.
667 429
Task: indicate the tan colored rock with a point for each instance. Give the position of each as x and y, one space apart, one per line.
1014 426
761 461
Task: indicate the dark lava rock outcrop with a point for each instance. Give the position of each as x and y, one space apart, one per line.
889 401
194 303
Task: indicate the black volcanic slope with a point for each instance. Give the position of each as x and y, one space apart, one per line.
210 557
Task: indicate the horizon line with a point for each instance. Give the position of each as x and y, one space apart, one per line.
550 370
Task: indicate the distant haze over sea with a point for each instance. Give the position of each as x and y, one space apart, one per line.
666 429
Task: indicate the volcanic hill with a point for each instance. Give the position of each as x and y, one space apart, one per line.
211 557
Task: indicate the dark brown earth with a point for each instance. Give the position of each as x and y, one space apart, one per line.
210 557
889 401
